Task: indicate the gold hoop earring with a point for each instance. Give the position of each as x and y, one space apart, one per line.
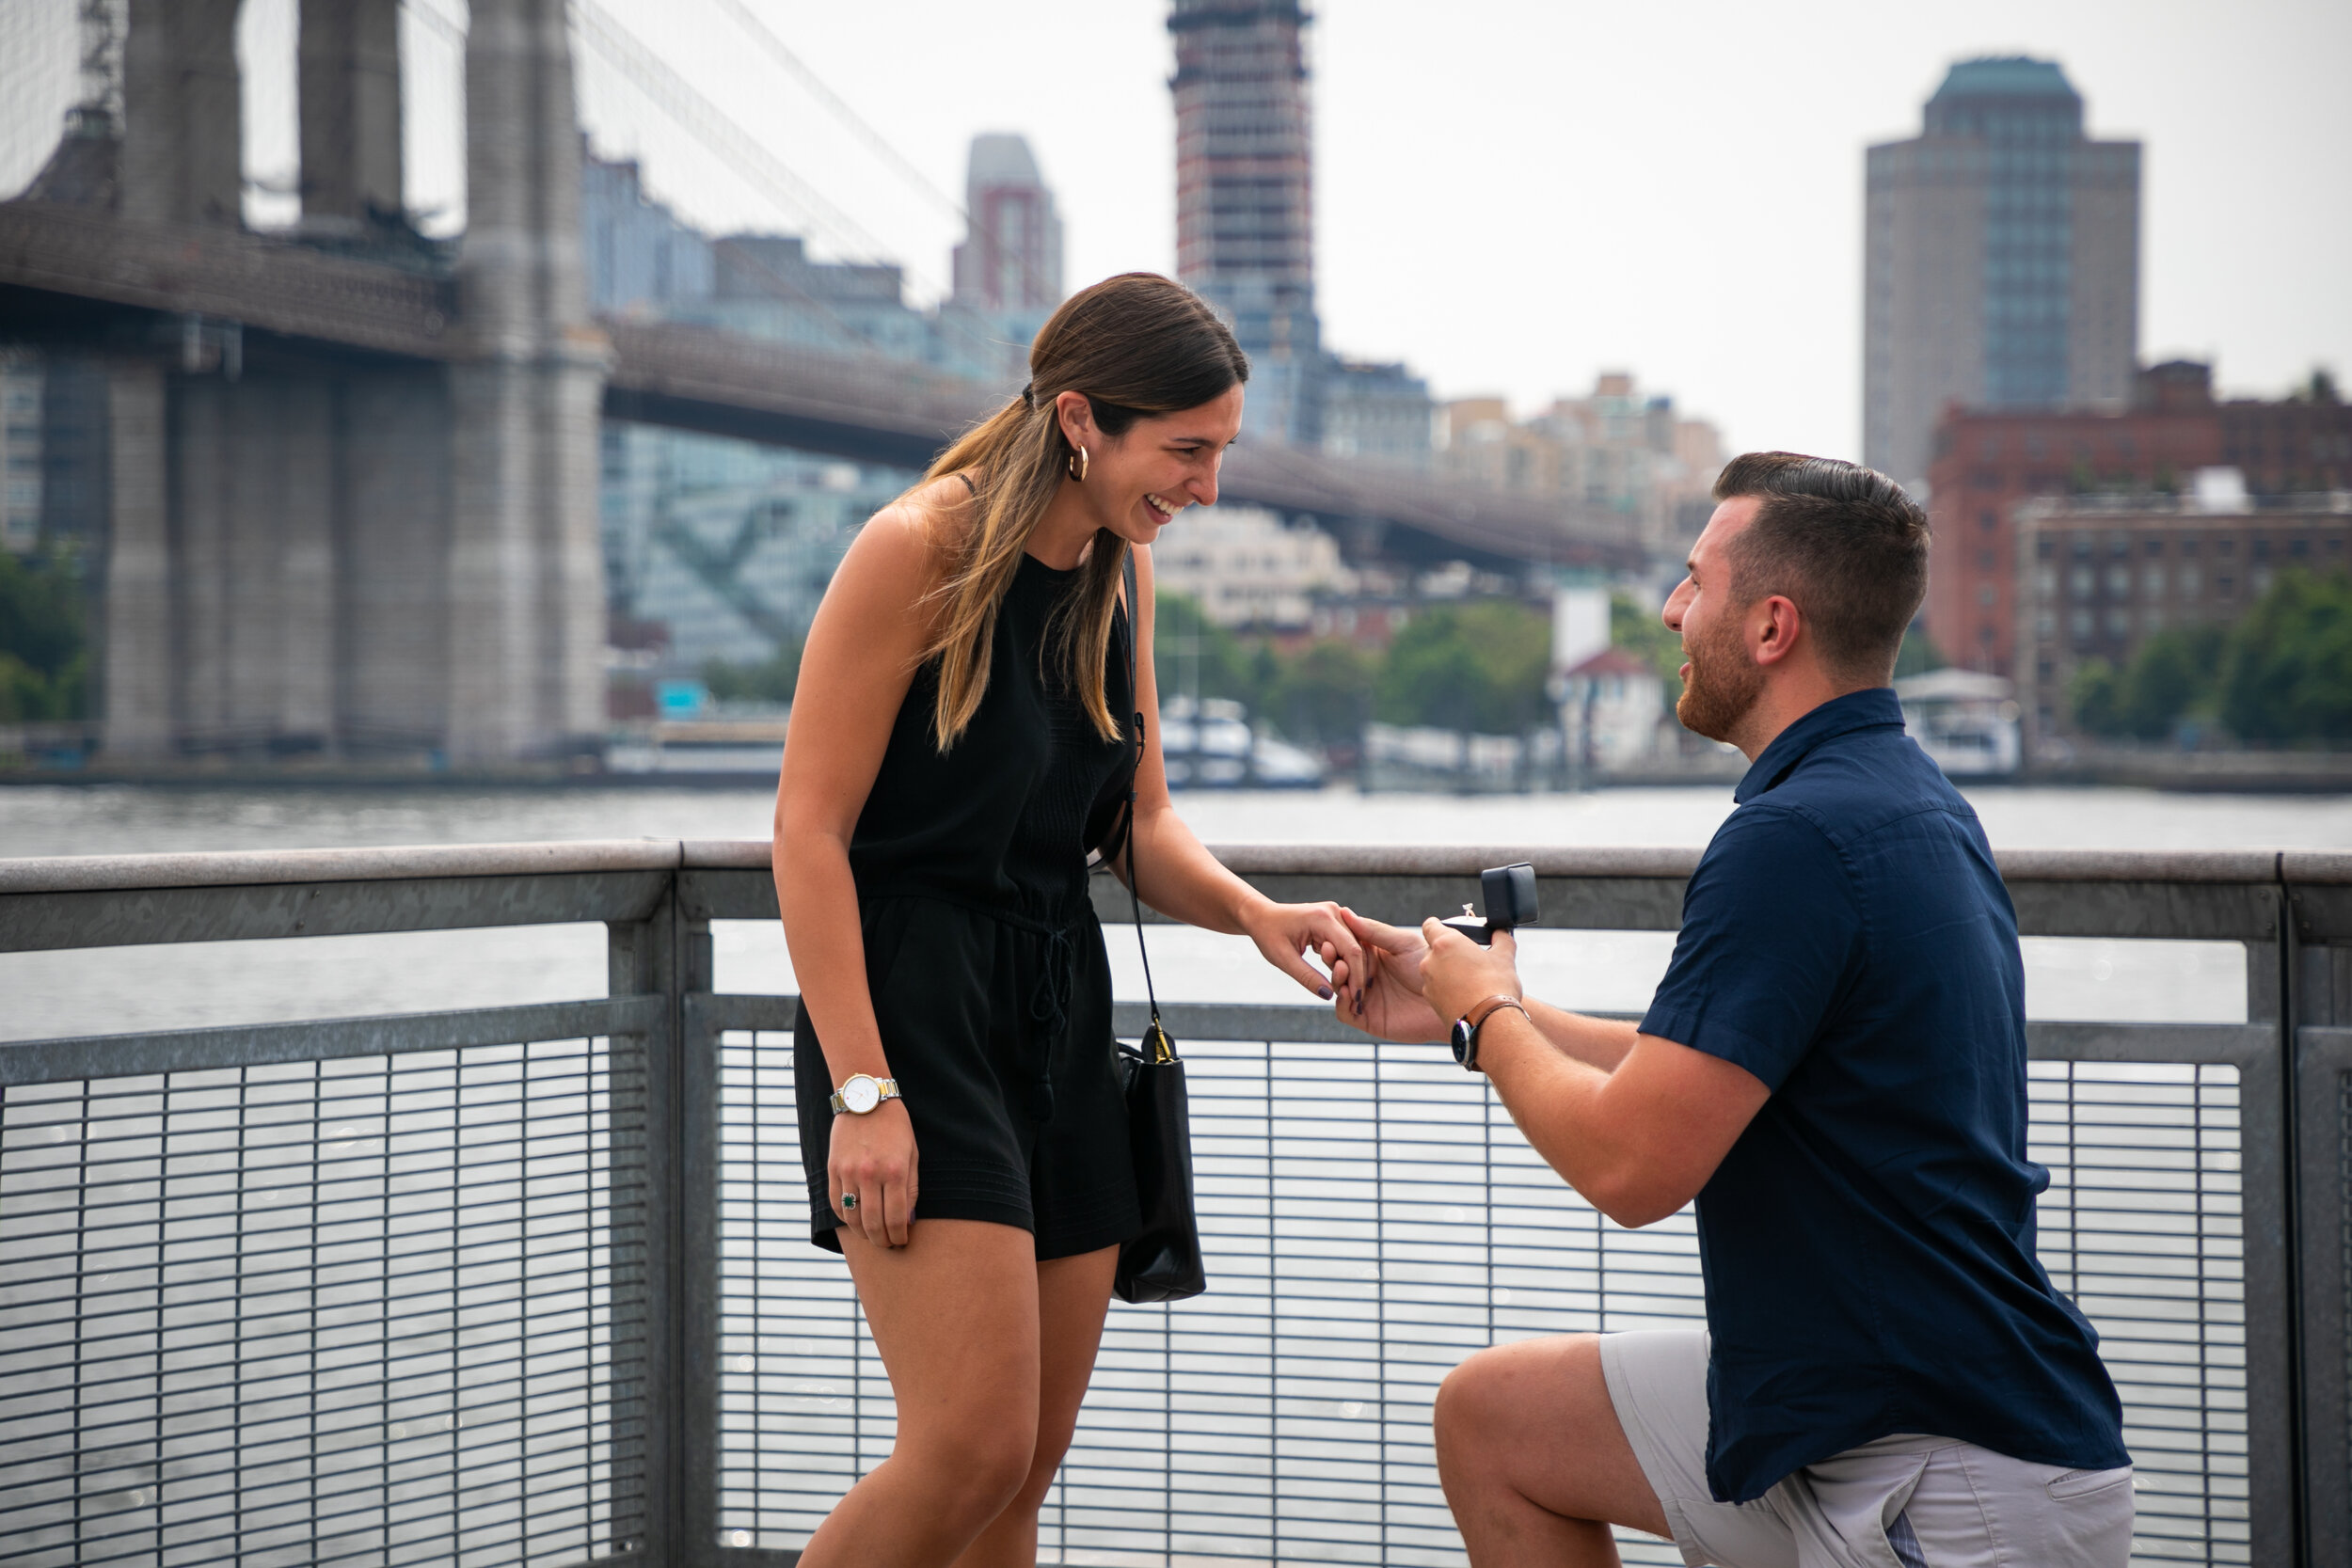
1076 464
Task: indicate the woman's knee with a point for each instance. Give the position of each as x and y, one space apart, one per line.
974 1467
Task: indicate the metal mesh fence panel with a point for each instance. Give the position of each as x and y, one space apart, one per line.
2143 1227
354 1312
1373 1217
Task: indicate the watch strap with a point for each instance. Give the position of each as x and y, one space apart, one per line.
889 1087
1485 1009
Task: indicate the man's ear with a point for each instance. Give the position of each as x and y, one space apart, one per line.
1775 634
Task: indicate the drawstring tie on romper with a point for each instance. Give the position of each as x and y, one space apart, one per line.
1049 1009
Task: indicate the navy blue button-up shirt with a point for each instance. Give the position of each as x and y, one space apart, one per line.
1868 1241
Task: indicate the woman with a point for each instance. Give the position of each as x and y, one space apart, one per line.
960 742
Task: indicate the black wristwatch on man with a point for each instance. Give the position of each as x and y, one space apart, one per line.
1465 1038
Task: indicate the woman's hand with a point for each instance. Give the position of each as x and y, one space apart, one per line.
1286 932
1393 1007
872 1157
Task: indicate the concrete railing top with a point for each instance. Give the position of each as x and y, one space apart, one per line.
246 868
262 867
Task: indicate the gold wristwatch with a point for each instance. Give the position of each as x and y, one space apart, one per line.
862 1092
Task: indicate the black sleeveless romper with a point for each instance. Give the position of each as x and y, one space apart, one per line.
982 952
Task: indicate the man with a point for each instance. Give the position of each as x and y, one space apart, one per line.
1835 1067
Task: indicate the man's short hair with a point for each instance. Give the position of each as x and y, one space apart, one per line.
1842 542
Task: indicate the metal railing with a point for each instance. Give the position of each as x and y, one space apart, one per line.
532 1284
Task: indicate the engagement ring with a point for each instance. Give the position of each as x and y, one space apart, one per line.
848 1200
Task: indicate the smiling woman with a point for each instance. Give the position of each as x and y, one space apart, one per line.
1132 348
971 721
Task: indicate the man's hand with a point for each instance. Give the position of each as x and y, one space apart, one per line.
1458 974
1391 1006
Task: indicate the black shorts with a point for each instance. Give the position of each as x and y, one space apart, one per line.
999 1034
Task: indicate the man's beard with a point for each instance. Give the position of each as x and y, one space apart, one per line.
1723 686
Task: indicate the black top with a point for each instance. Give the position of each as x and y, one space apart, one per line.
1868 1241
1002 821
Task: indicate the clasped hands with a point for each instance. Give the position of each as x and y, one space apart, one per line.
1413 983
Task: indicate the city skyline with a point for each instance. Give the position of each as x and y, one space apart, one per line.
1658 123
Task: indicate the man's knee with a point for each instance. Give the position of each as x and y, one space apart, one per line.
1482 1399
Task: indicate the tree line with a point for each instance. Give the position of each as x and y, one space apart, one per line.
2282 676
1480 665
45 650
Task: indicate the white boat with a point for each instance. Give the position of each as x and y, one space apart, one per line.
1965 720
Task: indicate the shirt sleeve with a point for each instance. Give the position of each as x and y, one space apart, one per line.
1770 932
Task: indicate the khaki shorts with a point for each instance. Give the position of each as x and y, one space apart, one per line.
1899 1502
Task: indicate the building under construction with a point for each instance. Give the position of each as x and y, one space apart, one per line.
1245 234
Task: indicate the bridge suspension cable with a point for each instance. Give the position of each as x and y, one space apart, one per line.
713 126
747 156
880 145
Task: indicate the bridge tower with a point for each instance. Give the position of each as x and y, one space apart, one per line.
347 90
312 549
526 569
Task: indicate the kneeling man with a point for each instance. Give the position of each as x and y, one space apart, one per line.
1835 1067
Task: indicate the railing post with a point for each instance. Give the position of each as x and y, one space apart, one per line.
695 1298
2267 1195
648 1457
2320 990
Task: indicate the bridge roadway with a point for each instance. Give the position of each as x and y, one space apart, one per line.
54 257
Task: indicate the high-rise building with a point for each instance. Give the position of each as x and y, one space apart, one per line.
1008 270
1377 411
1011 260
2001 261
20 450
1245 233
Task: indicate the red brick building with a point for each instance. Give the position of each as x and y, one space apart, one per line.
1985 462
2098 576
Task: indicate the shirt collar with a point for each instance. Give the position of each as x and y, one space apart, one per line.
1869 709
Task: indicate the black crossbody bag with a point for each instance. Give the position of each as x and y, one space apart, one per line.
1163 1263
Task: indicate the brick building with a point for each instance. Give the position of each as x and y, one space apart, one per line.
2097 575
1986 462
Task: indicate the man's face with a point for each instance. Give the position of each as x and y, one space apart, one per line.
1720 681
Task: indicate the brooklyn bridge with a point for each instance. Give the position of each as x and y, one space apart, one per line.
350 483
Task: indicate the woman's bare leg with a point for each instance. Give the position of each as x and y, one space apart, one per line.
955 1316
1072 1295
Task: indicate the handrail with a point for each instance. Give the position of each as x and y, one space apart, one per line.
246 868
257 868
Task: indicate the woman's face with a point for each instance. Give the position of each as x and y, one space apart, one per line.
1136 482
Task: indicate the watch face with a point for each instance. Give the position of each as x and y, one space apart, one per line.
861 1094
1463 1037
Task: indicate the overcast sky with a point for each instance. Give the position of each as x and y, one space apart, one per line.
1512 195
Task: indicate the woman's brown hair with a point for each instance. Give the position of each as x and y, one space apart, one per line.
1135 344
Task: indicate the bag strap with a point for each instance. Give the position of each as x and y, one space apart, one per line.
1157 1047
